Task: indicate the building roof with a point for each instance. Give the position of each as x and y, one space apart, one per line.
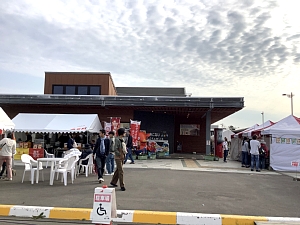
193 107
151 91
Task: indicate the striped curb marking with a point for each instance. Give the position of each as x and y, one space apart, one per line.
137 216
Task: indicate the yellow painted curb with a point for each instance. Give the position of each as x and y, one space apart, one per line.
154 217
241 220
70 213
5 209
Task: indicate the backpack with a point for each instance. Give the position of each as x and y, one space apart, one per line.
262 152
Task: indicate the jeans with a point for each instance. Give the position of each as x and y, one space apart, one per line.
256 159
129 154
245 158
262 162
3 169
225 154
8 160
100 166
110 163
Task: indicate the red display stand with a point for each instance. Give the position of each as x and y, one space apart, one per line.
219 151
36 153
218 142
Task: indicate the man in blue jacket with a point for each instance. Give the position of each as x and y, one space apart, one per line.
101 150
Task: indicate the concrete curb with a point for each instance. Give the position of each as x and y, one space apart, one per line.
137 216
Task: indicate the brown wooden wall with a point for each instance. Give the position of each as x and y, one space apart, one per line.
190 143
57 78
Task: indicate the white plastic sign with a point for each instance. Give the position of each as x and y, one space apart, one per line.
104 207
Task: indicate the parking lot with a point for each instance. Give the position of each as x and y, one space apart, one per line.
175 190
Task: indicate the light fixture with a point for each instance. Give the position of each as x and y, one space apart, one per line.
291 97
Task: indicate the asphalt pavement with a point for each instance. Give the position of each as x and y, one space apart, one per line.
241 193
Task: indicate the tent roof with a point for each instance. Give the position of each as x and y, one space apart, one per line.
288 125
250 128
55 123
5 122
248 133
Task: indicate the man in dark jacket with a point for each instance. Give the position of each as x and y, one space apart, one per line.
87 151
101 150
129 147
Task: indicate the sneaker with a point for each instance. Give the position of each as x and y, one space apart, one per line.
8 179
114 185
123 189
101 180
251 169
225 161
111 174
257 170
132 163
106 174
243 165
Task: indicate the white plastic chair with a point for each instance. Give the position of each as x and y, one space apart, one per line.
89 167
29 163
65 166
48 155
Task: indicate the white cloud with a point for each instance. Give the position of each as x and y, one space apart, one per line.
213 48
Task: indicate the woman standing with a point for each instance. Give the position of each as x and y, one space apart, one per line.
245 152
8 149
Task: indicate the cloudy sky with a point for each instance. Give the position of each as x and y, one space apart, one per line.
246 48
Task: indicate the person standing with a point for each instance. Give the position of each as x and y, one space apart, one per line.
263 154
8 149
101 150
110 160
129 147
254 151
245 152
225 149
119 157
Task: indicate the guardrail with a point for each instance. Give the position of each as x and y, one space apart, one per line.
137 216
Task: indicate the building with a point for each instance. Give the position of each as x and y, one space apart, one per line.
159 109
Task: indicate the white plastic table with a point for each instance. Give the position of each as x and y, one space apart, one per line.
52 160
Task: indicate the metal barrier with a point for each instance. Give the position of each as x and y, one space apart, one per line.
136 216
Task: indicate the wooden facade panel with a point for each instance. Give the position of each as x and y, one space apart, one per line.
190 143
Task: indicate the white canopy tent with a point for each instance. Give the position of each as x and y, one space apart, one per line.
5 122
248 132
57 123
227 134
248 129
285 146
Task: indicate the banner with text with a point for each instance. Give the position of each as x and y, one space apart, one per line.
134 131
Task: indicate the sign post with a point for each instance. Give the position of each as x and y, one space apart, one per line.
295 164
104 207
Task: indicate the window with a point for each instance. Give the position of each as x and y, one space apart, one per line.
58 89
95 90
82 90
76 90
70 90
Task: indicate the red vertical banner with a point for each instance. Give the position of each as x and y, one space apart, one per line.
115 124
134 131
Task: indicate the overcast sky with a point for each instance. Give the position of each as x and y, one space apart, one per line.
246 48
